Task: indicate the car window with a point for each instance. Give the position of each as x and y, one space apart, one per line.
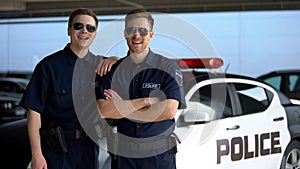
274 81
6 86
215 99
253 99
11 87
17 86
294 83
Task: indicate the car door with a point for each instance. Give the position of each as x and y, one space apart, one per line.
262 122
222 136
198 148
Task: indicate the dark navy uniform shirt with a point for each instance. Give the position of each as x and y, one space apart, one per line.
54 79
157 76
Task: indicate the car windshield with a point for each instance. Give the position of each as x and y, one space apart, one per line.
13 85
23 84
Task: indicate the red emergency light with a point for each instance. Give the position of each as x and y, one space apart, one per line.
192 63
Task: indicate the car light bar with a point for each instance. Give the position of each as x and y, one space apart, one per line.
190 63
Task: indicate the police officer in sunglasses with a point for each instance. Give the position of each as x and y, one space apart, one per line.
139 98
59 83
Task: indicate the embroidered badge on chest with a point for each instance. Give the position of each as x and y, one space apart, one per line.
151 86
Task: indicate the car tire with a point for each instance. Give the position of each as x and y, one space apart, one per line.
291 157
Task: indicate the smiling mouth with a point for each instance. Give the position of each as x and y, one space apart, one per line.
83 38
136 43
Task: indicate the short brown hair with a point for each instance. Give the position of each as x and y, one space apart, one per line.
82 11
139 13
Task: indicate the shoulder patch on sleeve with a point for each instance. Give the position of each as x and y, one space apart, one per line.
178 77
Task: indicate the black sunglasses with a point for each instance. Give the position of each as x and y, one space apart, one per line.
78 26
130 31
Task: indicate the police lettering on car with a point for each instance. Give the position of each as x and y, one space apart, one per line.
238 147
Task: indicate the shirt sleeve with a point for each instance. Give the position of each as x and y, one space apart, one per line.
102 83
37 90
173 87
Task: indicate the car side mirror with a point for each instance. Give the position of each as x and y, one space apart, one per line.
193 116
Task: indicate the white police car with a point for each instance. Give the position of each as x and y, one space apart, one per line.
234 121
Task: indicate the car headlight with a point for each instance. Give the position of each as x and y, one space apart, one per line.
7 105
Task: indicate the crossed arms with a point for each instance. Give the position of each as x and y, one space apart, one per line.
141 109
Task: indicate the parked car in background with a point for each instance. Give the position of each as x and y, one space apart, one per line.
17 74
11 91
287 81
10 109
12 86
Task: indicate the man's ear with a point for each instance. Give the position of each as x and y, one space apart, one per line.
151 34
69 31
124 33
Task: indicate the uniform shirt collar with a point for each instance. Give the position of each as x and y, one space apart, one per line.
150 59
72 57
88 58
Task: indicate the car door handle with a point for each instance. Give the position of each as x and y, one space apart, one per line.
278 119
235 127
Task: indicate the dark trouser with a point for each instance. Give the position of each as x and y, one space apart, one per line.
162 161
82 154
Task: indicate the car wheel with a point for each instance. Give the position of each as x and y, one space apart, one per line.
291 157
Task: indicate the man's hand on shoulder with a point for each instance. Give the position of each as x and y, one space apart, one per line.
105 65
